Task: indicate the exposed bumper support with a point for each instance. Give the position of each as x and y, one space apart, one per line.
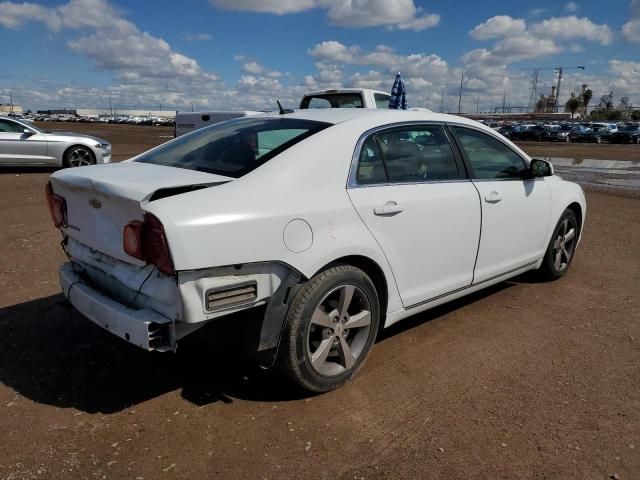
273 322
145 328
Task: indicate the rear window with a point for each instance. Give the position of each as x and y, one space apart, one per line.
333 100
233 148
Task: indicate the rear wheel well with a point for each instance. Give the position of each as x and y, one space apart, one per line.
375 273
577 210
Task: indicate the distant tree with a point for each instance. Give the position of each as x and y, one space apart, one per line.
586 98
635 115
615 115
572 105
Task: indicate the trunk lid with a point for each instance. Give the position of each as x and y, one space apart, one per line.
102 199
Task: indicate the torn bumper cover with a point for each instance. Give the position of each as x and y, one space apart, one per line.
142 327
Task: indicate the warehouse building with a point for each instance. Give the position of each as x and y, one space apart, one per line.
10 109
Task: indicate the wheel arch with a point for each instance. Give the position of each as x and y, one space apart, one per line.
576 208
375 273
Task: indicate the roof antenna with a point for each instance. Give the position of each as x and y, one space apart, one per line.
282 110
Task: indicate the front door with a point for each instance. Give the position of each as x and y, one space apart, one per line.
410 191
17 147
515 210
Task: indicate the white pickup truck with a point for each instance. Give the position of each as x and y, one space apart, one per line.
337 98
346 98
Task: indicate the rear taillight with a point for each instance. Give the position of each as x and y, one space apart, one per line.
57 207
147 241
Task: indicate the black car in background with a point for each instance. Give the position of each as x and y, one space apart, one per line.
557 134
590 135
529 132
506 130
626 134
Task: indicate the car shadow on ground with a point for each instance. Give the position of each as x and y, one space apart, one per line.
27 169
50 354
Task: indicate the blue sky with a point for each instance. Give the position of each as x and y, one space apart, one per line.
246 53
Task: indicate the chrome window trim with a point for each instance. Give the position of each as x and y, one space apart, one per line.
352 181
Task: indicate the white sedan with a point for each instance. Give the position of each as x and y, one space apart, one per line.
336 222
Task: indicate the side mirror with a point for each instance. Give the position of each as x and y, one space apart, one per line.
27 132
540 168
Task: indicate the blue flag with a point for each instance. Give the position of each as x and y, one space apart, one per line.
398 98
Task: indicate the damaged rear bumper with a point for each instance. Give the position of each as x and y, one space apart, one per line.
144 327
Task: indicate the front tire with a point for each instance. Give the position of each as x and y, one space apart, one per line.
330 329
562 247
78 156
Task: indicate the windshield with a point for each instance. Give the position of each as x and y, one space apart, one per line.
233 148
629 128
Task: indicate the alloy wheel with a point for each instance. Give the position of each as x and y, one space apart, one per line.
339 330
79 157
564 245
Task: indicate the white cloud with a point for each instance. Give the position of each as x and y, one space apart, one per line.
631 29
498 26
115 45
571 7
394 14
573 27
252 67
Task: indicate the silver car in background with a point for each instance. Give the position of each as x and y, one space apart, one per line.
23 144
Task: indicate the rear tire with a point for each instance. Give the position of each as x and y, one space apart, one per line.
78 156
562 247
330 329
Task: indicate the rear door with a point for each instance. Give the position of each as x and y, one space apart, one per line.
17 147
410 190
516 210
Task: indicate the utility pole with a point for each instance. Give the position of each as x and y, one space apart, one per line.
442 102
478 102
110 107
460 94
428 97
11 102
192 106
504 100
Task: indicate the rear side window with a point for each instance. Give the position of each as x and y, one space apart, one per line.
371 166
418 154
489 157
382 100
233 148
407 155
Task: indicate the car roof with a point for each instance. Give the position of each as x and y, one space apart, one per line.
380 116
342 90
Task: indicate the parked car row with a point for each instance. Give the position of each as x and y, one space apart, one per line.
126 119
570 132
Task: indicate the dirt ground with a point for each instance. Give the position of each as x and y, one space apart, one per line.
525 380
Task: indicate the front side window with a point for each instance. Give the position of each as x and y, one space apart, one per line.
418 154
7 126
489 157
233 148
382 100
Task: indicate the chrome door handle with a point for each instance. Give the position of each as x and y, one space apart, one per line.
388 209
493 197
